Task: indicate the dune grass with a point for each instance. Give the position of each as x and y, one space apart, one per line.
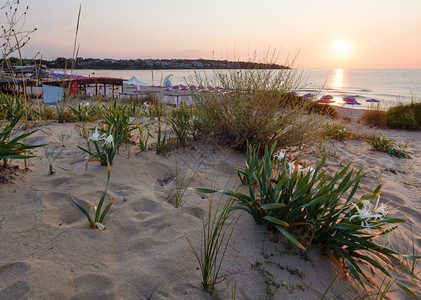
257 107
215 239
383 144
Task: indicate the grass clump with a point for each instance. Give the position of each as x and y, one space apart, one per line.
10 107
374 116
117 121
85 112
336 131
181 123
383 144
162 143
309 207
214 243
144 136
12 145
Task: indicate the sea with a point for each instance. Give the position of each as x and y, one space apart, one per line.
389 86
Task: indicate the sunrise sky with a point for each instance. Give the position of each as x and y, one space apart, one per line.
327 33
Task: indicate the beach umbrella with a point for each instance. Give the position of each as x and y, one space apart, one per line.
327 97
324 101
349 98
352 102
308 96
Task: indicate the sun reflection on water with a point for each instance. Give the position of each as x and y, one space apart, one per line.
338 79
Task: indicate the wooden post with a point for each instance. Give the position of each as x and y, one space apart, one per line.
96 88
113 90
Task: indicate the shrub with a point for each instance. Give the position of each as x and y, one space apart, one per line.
383 144
404 116
256 107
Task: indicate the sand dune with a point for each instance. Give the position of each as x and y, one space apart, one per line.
48 250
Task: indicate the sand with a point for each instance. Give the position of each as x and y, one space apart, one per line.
48 250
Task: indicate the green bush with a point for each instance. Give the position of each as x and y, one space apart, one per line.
404 117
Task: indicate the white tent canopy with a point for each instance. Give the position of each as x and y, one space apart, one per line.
134 81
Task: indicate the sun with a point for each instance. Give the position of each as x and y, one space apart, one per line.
341 47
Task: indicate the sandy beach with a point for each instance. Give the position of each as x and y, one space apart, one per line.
48 250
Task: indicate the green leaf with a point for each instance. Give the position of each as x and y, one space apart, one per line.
270 206
290 237
275 221
203 190
406 289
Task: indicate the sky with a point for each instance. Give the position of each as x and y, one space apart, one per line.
315 34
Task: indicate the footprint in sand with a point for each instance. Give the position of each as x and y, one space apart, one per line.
61 210
93 286
164 187
11 284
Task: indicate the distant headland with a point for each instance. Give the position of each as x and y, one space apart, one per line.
146 64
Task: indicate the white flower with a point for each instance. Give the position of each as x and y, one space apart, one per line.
109 141
292 164
369 212
280 155
95 137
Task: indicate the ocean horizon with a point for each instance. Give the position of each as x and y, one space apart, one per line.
389 86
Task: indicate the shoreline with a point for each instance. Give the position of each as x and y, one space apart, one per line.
349 112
